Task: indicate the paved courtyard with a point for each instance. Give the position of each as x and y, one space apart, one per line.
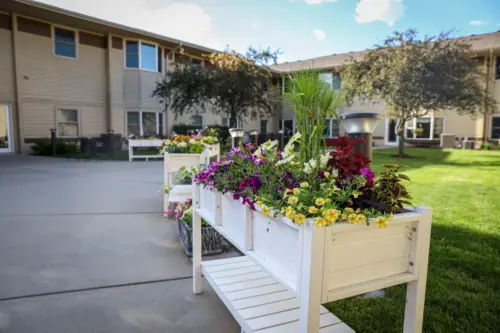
84 248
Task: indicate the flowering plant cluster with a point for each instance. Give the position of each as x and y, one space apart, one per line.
183 211
330 188
183 144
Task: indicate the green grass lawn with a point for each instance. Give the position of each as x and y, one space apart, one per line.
463 287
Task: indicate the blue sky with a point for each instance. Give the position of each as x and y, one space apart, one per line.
300 28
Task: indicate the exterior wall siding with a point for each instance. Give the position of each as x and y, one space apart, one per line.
6 67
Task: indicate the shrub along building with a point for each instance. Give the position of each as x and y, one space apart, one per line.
84 76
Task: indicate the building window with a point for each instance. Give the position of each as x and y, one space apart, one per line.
337 82
160 60
141 123
160 123
148 56
327 78
497 69
142 55
196 62
132 54
425 128
263 127
67 123
495 127
65 43
197 120
331 129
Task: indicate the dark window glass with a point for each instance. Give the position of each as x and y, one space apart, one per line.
160 60
335 128
337 82
197 120
497 71
196 62
160 123
438 128
65 43
132 52
133 124
495 128
425 125
263 127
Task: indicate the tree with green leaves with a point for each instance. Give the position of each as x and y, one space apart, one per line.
233 85
416 76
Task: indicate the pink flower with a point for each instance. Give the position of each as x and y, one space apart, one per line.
368 174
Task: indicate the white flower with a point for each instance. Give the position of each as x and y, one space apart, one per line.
324 160
294 138
313 163
192 141
183 144
308 169
269 144
285 160
334 173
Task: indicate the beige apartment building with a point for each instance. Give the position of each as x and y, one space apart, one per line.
83 76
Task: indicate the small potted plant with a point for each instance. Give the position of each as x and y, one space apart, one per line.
417 131
211 240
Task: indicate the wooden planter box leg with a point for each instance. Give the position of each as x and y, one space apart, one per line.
196 242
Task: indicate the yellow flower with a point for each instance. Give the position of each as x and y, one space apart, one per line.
301 207
381 222
349 210
320 222
361 218
259 204
352 218
332 215
304 184
288 210
328 201
313 210
296 191
355 195
300 219
326 174
291 215
343 217
266 211
320 202
293 200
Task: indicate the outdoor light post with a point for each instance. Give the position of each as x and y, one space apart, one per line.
282 138
254 137
236 136
110 137
360 125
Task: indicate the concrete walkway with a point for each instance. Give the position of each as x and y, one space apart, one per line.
84 248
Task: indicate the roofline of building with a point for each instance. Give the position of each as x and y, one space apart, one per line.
95 20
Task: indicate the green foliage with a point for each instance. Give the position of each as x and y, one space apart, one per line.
222 132
388 188
43 147
183 129
312 101
187 217
486 146
416 76
235 86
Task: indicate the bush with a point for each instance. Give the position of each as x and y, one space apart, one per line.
183 129
486 146
43 147
222 132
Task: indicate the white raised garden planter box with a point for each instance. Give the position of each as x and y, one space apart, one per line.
173 162
143 143
324 264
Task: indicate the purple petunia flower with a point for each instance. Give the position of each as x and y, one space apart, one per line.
368 174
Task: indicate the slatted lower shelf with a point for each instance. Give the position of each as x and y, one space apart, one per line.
258 302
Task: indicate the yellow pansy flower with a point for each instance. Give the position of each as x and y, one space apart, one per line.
301 206
349 210
296 191
304 184
326 174
320 202
313 210
300 219
291 215
320 222
259 204
343 217
287 193
293 200
266 211
361 218
288 210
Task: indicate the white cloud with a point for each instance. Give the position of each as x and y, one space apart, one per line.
477 23
184 21
388 11
255 25
320 34
317 2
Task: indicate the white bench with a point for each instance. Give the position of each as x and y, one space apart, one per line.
257 301
143 143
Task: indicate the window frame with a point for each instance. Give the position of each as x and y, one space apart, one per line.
267 126
79 122
77 41
491 126
196 116
141 127
139 44
431 132
330 128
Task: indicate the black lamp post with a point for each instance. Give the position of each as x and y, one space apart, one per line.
53 140
110 138
360 125
254 137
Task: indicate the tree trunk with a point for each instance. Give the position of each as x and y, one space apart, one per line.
401 143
